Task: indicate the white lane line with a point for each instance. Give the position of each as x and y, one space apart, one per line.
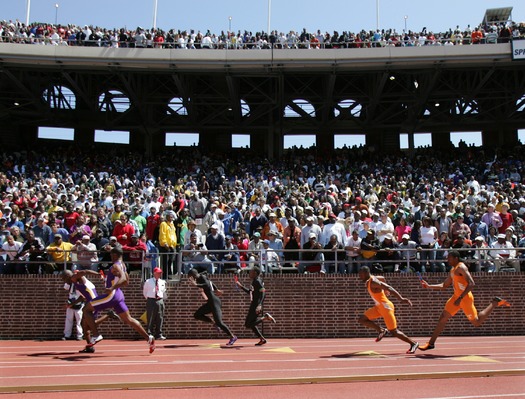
500 395
266 371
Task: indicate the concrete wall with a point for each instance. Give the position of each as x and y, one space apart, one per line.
309 306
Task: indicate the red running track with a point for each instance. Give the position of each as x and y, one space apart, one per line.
282 368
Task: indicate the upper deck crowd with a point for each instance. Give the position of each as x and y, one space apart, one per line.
88 35
356 201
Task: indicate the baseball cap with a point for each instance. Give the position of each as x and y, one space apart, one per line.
312 235
407 236
157 270
267 242
86 237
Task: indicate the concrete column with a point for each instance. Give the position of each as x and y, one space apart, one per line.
499 137
441 140
14 136
379 140
215 141
84 137
324 142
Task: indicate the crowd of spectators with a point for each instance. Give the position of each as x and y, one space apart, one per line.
349 207
88 35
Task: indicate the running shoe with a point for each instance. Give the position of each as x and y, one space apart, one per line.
231 341
426 347
413 348
261 342
112 315
269 317
87 349
382 334
151 342
95 340
161 338
500 301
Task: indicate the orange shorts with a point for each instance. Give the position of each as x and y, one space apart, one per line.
467 305
386 311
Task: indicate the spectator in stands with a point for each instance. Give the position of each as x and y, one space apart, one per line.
230 259
459 227
312 259
195 256
504 255
388 254
429 237
270 260
276 244
409 254
480 257
43 231
139 219
60 253
10 248
491 218
254 249
135 252
369 248
79 229
353 251
310 227
215 242
87 256
291 242
168 244
334 255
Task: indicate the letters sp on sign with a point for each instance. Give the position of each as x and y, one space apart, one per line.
518 49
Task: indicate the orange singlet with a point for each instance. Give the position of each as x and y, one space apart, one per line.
383 308
467 303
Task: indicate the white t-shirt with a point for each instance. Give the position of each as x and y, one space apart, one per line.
427 235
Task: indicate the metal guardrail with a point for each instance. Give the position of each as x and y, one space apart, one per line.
229 44
479 259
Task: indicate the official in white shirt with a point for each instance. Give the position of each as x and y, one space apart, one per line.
155 292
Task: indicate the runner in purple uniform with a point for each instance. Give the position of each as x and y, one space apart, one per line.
113 298
88 291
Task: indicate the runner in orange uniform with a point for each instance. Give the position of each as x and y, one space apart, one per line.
383 308
463 299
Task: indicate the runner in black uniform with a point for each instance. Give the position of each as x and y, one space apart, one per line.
213 303
257 294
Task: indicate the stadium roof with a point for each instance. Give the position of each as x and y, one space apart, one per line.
497 15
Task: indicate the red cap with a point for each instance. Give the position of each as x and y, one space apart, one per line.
157 270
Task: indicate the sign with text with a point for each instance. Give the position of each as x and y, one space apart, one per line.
518 49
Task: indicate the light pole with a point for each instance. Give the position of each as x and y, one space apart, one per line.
28 11
56 14
269 15
406 17
377 14
155 5
230 25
